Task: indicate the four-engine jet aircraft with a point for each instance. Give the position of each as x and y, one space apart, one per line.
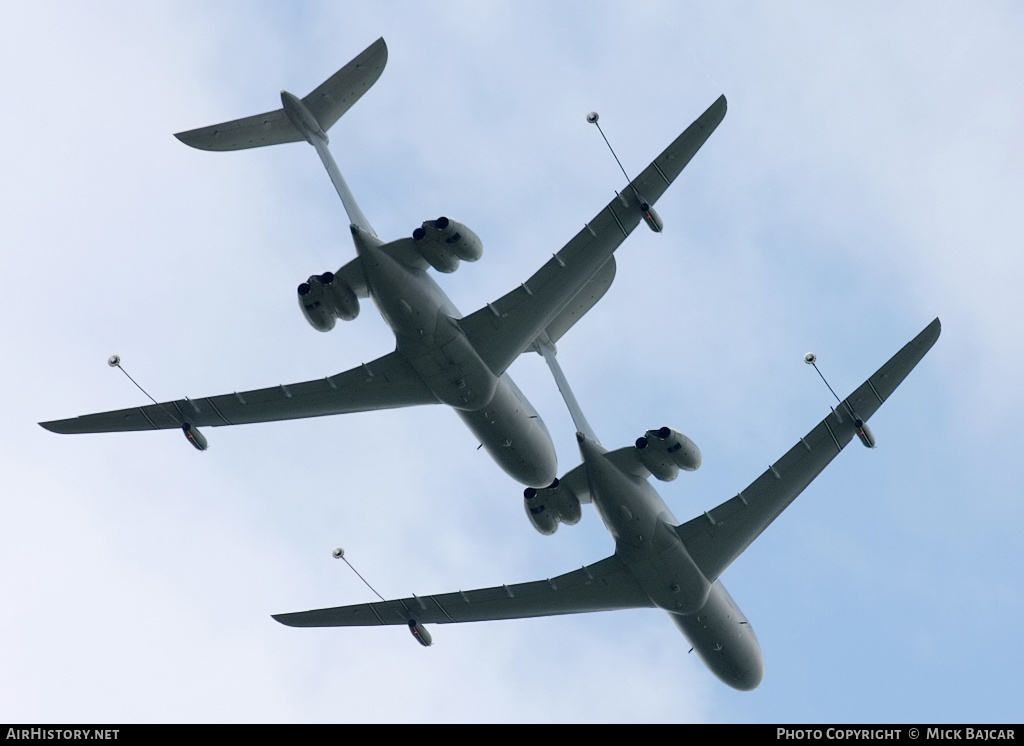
440 356
657 563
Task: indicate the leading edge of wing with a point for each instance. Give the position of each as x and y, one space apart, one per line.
715 539
502 330
386 383
604 586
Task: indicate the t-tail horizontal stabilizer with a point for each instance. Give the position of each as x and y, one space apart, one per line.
326 104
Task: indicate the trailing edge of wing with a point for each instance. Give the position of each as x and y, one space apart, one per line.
327 103
502 330
719 536
604 586
386 383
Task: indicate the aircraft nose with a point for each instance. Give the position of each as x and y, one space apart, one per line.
750 679
533 461
541 469
743 669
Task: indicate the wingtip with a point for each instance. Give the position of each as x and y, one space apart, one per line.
188 137
715 113
378 47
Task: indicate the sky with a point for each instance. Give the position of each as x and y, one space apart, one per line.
868 177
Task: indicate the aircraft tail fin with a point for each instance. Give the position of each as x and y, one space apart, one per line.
306 119
326 103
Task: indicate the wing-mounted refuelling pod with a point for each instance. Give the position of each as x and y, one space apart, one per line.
864 433
867 438
420 633
193 436
665 451
650 216
173 414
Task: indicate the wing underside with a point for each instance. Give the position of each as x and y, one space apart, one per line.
604 586
719 536
386 383
502 330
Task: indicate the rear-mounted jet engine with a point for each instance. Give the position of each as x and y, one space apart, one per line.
326 298
444 242
548 507
664 452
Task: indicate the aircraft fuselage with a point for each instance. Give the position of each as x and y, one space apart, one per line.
645 540
428 336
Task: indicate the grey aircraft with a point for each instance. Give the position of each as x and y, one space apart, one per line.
657 561
440 355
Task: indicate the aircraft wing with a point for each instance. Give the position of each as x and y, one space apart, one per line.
386 383
327 103
604 586
719 536
502 330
